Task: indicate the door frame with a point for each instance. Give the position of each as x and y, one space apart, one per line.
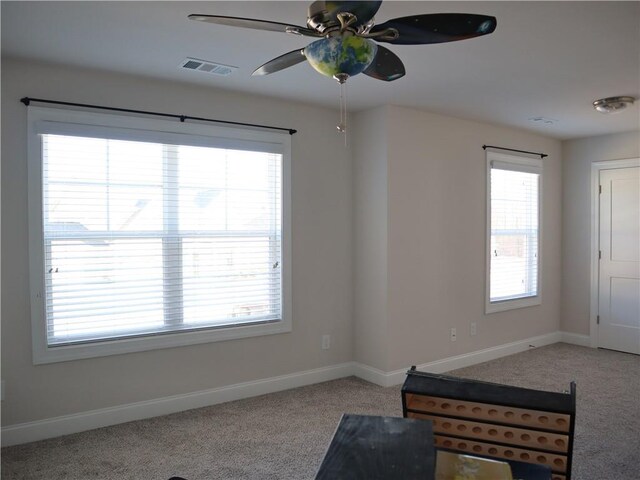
596 167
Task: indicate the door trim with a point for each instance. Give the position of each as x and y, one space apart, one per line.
596 167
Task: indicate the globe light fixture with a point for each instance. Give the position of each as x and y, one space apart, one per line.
340 56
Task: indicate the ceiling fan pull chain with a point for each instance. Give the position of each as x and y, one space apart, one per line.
342 126
343 108
344 119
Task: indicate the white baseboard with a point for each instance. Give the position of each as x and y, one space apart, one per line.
388 379
67 424
370 374
575 339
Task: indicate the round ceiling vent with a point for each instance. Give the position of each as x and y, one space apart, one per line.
613 104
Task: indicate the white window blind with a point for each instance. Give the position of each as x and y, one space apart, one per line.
514 229
146 238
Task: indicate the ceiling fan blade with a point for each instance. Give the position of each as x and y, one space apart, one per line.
255 24
385 66
280 63
323 14
437 28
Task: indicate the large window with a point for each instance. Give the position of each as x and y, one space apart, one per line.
513 231
153 234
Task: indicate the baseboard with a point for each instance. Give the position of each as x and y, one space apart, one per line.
575 339
370 374
388 379
67 424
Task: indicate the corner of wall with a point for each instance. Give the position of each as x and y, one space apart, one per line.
370 237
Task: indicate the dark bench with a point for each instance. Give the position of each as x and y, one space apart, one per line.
494 420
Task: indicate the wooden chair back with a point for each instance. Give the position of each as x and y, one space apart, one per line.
490 419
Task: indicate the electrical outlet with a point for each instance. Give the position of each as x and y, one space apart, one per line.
473 329
326 342
453 334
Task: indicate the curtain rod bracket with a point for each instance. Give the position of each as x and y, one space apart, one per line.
182 118
542 155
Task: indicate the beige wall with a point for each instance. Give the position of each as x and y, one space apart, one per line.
578 155
436 236
370 237
321 229
388 251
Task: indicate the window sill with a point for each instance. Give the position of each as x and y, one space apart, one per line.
44 354
512 304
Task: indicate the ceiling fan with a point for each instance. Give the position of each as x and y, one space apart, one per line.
348 34
348 38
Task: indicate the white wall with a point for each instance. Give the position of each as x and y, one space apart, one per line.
578 155
370 237
386 258
321 229
435 252
437 238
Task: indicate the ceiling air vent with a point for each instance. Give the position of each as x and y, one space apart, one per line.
207 67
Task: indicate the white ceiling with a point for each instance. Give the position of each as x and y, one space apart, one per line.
545 59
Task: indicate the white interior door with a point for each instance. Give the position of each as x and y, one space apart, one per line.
619 272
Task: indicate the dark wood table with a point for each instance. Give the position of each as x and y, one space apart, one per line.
388 448
368 448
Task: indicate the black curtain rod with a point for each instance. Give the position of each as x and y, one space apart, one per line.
542 155
182 118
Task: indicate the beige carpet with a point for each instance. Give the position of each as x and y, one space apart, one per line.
284 435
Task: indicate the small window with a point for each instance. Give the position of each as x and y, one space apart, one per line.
153 235
513 231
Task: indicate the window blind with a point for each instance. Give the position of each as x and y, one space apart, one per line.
514 229
146 238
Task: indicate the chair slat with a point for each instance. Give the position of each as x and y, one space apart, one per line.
558 463
494 433
495 420
492 413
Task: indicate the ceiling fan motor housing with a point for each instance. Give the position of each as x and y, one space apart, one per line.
323 15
